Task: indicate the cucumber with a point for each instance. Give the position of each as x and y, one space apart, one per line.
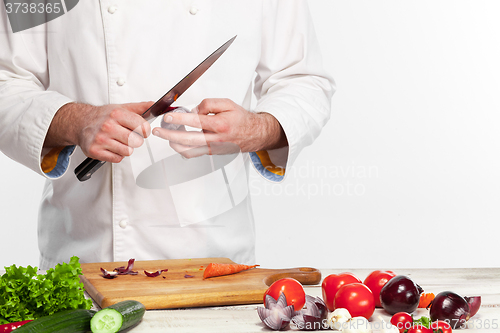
117 317
69 321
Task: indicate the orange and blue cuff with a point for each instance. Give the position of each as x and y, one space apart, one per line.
55 162
266 167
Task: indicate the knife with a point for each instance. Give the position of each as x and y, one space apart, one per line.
87 168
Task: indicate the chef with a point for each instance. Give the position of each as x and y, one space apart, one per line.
77 86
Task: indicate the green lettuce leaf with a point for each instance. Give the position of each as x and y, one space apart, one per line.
423 321
24 294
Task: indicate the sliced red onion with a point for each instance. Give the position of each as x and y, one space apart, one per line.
276 315
108 275
474 304
155 274
122 270
311 317
188 276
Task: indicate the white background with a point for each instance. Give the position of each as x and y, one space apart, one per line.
406 173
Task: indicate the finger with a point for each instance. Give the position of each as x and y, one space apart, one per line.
187 138
138 108
110 151
141 132
214 105
131 121
145 129
114 131
188 151
212 148
204 122
133 140
108 156
115 146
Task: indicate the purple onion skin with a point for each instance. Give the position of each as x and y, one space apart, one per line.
474 304
451 308
400 294
312 317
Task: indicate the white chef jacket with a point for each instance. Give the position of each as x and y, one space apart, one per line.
112 52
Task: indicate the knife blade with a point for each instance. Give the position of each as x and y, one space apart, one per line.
86 169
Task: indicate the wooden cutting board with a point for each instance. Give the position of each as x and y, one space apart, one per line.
173 290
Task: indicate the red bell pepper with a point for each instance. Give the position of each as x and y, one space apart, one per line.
6 328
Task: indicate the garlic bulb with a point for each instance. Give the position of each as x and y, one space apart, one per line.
338 318
381 326
357 325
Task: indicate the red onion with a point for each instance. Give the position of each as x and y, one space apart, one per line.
450 307
155 274
400 294
474 304
312 316
108 275
276 315
122 270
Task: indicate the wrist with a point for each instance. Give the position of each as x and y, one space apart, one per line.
274 134
64 128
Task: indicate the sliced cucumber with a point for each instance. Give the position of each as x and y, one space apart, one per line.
70 321
117 317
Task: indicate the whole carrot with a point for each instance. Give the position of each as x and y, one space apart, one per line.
215 269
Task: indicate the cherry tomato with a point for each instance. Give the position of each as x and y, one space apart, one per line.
419 329
375 281
293 290
441 325
402 320
332 283
356 298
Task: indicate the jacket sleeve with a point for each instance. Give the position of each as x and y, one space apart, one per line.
27 105
290 83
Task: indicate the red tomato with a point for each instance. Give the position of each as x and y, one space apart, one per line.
402 320
332 283
441 325
356 298
419 329
293 290
375 281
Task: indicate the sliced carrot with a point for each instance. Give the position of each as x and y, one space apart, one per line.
425 300
214 269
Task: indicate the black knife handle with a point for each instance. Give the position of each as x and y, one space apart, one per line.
85 170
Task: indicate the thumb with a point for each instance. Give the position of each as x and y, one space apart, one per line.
138 108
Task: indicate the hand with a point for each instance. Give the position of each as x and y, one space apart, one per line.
107 133
226 128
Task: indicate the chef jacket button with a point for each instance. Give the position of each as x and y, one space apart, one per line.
123 224
112 9
193 10
121 81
